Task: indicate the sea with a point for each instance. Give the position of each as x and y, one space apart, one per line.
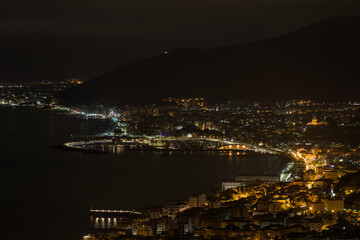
46 192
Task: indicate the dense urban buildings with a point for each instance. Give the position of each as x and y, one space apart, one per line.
316 196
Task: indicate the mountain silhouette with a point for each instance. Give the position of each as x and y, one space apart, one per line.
320 62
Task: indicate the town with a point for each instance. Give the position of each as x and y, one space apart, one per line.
317 196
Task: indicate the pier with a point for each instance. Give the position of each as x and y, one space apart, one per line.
110 219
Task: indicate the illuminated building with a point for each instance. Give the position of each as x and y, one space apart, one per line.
333 205
197 200
315 122
188 103
263 178
230 184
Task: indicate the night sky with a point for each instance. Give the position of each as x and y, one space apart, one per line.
54 40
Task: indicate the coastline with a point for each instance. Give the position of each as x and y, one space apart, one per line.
73 149
71 146
102 171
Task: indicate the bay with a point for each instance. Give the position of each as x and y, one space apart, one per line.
46 193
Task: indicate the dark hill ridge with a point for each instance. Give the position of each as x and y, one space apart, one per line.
321 61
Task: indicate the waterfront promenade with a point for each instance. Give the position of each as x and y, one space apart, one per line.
114 145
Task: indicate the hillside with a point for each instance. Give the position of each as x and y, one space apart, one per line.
320 61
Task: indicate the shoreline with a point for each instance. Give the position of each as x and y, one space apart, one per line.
74 149
69 147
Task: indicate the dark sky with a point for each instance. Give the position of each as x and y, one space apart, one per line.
77 38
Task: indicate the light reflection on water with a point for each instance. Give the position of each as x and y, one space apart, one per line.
40 182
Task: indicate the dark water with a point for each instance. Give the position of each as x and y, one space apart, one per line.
45 193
